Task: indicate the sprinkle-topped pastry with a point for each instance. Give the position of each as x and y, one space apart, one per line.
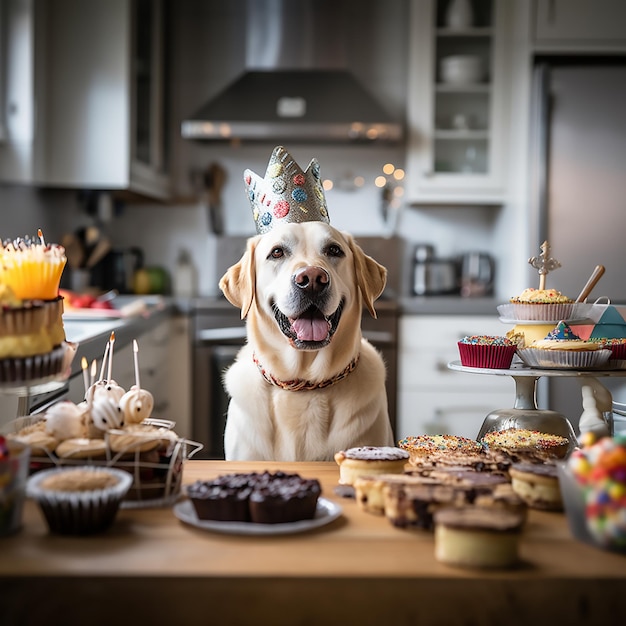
425 445
372 453
487 340
562 337
522 439
616 345
487 351
541 296
368 461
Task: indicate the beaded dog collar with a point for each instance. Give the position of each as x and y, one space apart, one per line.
305 385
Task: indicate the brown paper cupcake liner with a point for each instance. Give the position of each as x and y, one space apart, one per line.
24 320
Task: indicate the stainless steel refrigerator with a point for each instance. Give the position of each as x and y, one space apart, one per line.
578 167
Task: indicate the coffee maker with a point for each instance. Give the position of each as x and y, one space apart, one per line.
477 274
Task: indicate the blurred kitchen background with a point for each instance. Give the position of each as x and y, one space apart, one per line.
127 123
93 126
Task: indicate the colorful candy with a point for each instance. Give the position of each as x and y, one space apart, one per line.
487 340
600 468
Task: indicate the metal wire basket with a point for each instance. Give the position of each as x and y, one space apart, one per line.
157 469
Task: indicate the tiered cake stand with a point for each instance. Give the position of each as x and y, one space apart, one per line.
525 413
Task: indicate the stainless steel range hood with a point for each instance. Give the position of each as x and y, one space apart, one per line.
295 85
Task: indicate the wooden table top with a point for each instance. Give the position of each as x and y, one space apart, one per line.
358 562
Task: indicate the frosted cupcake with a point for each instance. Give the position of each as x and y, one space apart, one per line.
32 336
562 348
79 500
538 305
617 346
487 351
32 269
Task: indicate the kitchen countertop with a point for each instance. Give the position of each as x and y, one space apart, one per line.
359 569
405 305
92 332
448 305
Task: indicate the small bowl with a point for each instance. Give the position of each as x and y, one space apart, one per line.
573 495
462 69
80 511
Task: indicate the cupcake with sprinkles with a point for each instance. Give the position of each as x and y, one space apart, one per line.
521 440
617 346
487 351
420 447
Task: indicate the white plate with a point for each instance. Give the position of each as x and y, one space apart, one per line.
326 512
92 314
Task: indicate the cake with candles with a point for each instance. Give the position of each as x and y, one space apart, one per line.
32 337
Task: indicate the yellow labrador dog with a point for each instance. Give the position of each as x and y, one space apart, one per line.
306 384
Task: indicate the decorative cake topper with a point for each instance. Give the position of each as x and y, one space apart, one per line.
544 264
286 194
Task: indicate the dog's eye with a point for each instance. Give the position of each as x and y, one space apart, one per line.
334 250
277 252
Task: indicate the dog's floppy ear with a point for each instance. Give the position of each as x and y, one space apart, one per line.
371 276
239 282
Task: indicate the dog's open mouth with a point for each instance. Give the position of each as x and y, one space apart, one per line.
311 330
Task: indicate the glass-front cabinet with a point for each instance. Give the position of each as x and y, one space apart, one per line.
457 102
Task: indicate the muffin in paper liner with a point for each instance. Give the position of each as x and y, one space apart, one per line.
564 359
616 346
39 367
491 357
544 312
34 279
22 320
75 504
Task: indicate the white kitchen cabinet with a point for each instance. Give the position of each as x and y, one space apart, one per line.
433 399
164 368
84 96
579 25
456 150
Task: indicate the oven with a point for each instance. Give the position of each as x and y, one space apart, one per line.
218 335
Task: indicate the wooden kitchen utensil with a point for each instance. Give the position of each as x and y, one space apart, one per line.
591 283
100 250
74 251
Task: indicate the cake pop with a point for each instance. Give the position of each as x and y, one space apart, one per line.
137 403
65 420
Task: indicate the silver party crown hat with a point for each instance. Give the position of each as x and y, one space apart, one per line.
286 194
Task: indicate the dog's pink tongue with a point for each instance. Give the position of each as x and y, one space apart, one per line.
308 329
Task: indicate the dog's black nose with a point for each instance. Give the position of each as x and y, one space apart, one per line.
312 279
